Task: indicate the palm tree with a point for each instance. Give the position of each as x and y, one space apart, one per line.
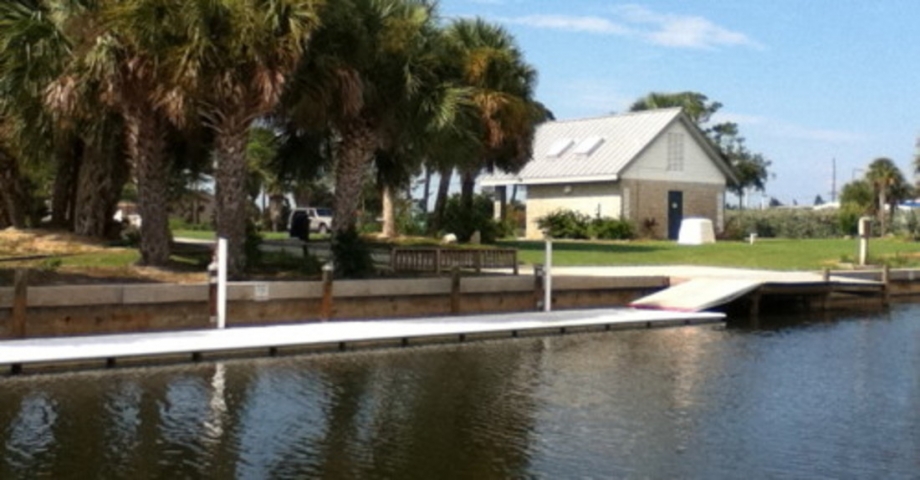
501 83
123 68
33 51
233 59
360 81
887 182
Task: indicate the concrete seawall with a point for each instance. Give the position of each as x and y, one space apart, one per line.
98 309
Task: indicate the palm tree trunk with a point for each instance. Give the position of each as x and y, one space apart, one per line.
440 204
4 218
355 151
146 141
68 157
12 193
230 185
276 212
467 186
389 213
426 192
100 181
882 204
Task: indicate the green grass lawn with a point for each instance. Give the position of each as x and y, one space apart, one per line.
777 254
209 235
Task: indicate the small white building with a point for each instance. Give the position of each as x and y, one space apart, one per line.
652 167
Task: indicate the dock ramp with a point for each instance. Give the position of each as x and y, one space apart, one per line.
698 294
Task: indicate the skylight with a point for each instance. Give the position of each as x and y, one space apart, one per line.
559 147
588 145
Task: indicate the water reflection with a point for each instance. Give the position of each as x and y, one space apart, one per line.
837 399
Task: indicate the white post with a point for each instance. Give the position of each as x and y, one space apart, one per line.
548 276
864 232
221 282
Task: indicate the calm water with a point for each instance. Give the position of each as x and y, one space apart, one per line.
830 399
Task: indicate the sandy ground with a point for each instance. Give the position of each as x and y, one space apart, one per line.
36 250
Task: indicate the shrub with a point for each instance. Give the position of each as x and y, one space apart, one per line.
462 222
566 224
848 218
578 226
612 229
352 255
783 223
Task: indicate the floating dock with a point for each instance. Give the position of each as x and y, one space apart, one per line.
193 345
705 293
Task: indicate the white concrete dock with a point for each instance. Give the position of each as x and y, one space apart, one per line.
109 350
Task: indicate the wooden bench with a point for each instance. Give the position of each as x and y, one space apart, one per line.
437 260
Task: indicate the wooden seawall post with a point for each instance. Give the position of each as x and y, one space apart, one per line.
455 290
20 303
538 293
325 309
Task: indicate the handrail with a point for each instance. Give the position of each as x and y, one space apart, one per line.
437 260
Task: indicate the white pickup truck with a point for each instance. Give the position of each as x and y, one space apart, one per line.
310 219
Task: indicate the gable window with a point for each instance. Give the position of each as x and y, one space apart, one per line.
675 152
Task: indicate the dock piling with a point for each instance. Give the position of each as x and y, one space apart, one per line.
20 303
455 290
325 309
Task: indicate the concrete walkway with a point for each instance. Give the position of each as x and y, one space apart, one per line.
108 350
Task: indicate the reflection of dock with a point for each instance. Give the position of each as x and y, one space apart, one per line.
110 350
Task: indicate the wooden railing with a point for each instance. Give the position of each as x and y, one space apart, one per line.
437 260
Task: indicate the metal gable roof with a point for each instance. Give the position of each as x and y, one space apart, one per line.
624 137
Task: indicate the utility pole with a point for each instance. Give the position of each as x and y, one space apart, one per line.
833 179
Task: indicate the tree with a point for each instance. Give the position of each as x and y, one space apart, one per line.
818 200
360 84
858 194
500 83
695 105
232 60
752 169
33 51
889 186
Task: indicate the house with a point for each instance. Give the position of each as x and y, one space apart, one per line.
652 167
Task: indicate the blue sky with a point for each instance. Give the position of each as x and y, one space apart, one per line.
807 81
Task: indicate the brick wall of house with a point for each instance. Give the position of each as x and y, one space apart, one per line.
649 200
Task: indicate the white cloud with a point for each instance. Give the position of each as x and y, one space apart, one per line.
587 24
635 21
683 31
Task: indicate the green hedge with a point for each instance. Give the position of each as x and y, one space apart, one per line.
576 225
792 223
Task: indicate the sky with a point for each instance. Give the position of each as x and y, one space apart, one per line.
810 83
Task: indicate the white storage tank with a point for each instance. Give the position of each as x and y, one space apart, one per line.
696 231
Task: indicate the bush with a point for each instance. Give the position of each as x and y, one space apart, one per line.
578 226
464 222
566 224
848 219
612 229
352 256
783 223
